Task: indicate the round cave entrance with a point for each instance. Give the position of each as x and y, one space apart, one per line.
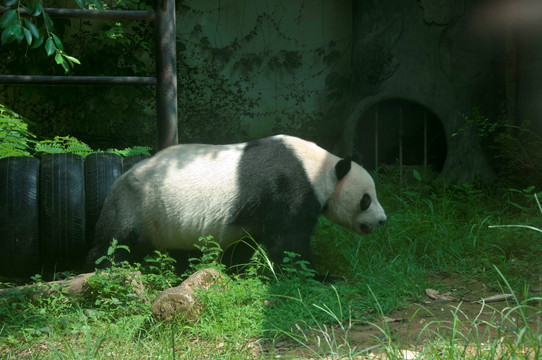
402 133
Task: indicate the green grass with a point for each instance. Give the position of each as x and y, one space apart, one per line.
433 231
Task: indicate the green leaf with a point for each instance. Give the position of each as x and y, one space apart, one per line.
58 43
29 10
10 3
48 149
65 66
49 46
416 175
80 3
7 37
38 9
33 29
48 22
14 32
97 4
27 35
8 19
17 31
71 59
58 58
40 39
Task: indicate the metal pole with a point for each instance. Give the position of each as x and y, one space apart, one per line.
401 144
425 139
376 138
76 80
91 14
166 73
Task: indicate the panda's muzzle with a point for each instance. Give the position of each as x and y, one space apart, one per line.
367 229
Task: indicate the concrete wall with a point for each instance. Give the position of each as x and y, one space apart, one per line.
288 96
448 56
426 52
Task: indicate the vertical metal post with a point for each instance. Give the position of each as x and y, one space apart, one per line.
166 73
425 139
400 144
376 138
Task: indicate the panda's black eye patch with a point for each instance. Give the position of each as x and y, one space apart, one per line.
365 202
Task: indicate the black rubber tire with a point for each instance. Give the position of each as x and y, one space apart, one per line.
130 161
19 217
62 211
101 171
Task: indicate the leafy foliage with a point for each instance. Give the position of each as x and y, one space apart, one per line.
111 252
63 144
115 289
36 28
15 138
296 268
160 271
514 150
102 117
132 151
211 253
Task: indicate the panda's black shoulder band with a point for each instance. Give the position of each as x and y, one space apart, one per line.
342 167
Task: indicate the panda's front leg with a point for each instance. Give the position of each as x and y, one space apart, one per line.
277 242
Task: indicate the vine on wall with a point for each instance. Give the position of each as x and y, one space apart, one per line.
265 79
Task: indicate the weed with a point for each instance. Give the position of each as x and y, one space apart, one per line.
317 338
296 268
159 271
117 289
514 148
110 256
524 226
211 254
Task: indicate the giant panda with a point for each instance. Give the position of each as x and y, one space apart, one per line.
273 188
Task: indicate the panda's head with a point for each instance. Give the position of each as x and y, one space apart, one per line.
353 203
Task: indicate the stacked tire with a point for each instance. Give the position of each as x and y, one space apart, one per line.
101 171
48 209
19 216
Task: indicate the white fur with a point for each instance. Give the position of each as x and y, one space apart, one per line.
319 165
344 203
204 175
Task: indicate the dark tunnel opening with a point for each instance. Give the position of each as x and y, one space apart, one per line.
400 132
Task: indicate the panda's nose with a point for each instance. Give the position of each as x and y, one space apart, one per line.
381 222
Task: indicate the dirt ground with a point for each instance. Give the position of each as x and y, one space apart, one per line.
470 310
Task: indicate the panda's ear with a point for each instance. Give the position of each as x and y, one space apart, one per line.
343 167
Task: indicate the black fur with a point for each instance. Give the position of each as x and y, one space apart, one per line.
343 167
365 202
276 199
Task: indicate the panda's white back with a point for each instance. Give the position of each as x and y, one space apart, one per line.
205 176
